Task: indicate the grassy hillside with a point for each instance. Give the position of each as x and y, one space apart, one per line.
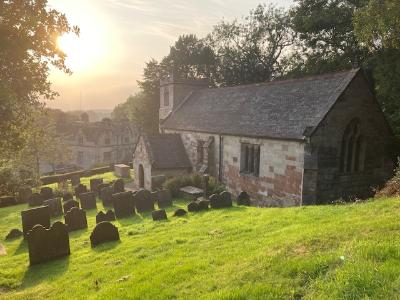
316 252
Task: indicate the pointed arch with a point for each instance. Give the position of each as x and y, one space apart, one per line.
352 154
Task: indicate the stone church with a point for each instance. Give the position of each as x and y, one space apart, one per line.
291 142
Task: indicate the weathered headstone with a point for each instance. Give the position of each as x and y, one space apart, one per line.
118 186
94 183
105 217
13 234
159 215
215 201
226 199
35 200
143 201
193 206
180 212
48 244
67 197
243 199
106 196
79 189
46 193
191 192
34 216
23 194
75 180
7 201
88 200
100 187
75 219
70 204
122 170
124 205
104 232
203 204
164 199
55 207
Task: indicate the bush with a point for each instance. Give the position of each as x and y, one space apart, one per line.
392 187
175 183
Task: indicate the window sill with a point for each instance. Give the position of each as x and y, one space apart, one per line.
249 175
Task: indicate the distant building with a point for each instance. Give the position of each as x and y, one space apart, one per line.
101 143
292 142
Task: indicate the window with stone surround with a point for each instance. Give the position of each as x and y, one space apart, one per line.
200 152
166 97
352 154
250 159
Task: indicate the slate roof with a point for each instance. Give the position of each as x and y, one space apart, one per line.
166 151
287 109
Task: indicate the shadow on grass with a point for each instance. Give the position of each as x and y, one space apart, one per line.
106 246
22 247
45 271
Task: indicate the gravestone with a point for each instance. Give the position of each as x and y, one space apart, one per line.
75 219
79 189
124 205
122 170
23 194
67 197
143 201
106 196
105 217
88 200
48 244
118 186
7 201
191 192
215 201
55 207
154 196
70 204
164 199
104 232
193 206
34 216
203 204
75 180
180 212
46 193
13 234
35 200
100 187
159 215
226 199
94 183
243 199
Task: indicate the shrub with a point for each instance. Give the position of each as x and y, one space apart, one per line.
392 187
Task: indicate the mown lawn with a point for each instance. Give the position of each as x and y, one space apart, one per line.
315 252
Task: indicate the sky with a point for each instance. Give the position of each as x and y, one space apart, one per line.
119 36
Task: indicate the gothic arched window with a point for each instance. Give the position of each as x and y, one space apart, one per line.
352 152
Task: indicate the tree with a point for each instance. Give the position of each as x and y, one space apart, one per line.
377 25
253 50
28 47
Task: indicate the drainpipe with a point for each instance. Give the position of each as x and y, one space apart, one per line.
221 157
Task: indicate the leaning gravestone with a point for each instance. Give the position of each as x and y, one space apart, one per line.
75 219
23 194
94 183
180 212
104 232
123 205
106 196
193 206
67 197
34 216
143 201
118 186
226 199
70 204
105 217
75 180
13 234
243 199
88 200
159 215
48 244
55 207
35 200
79 189
164 199
46 193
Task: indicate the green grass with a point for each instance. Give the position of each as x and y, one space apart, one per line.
314 252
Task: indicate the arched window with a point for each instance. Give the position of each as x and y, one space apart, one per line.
166 97
352 152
